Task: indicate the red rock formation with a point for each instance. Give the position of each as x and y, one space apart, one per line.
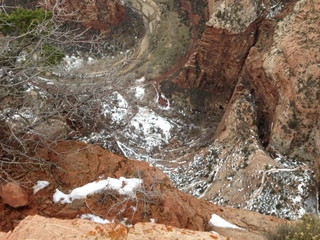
216 64
14 195
93 14
52 228
275 92
282 69
74 164
268 57
224 46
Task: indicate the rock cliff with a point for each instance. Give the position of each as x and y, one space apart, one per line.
94 14
223 48
267 63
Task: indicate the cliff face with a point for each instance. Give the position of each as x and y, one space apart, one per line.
282 72
93 14
292 62
277 56
223 48
219 59
271 121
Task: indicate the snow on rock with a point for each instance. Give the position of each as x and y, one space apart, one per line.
139 92
94 218
123 185
40 185
146 131
117 109
217 221
149 122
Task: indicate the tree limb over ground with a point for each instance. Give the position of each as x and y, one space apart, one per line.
37 107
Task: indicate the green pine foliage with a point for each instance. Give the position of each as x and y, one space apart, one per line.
22 21
29 31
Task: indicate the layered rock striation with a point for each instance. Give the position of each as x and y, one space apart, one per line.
223 48
93 14
221 74
270 129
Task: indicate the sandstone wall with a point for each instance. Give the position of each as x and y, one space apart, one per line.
271 82
93 14
219 59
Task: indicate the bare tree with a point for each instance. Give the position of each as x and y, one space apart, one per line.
40 103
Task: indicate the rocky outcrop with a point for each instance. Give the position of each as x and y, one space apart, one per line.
292 62
52 228
270 128
216 64
283 76
94 14
224 46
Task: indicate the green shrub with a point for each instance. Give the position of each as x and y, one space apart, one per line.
22 21
308 228
219 14
293 123
29 34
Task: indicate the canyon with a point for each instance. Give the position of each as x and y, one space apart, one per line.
226 111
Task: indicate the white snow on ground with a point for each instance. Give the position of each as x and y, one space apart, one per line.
150 123
140 80
123 185
217 221
117 110
146 131
94 218
139 92
40 185
72 62
275 9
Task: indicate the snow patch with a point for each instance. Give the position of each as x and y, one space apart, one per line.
40 185
94 218
73 62
123 185
118 110
140 80
139 92
149 123
217 221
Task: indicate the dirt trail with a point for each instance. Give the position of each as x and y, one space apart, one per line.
151 16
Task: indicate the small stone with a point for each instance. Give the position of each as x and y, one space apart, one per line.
66 213
14 195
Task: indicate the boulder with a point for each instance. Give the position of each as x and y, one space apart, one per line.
14 195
